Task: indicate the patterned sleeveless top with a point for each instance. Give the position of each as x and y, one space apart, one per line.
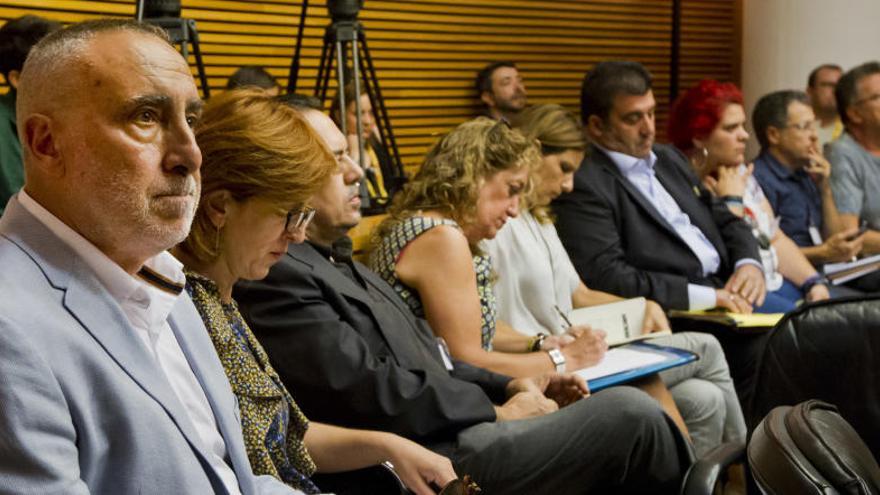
272 424
383 261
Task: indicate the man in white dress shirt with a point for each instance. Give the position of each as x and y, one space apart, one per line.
108 380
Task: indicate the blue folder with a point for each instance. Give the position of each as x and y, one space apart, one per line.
673 357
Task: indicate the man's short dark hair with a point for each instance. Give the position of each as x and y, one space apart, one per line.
772 111
811 79
847 92
607 80
18 36
483 82
300 102
251 75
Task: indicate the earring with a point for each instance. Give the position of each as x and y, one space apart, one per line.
217 241
705 153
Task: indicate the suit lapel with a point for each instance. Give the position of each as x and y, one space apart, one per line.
196 345
690 202
387 324
631 190
99 315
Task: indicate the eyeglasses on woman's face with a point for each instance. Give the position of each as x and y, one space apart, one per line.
298 219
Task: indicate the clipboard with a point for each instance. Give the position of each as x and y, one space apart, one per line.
632 361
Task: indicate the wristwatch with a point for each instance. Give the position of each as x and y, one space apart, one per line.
558 359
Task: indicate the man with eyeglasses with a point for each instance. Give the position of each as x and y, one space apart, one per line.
855 155
795 178
820 89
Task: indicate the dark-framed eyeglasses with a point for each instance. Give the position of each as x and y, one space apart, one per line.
297 220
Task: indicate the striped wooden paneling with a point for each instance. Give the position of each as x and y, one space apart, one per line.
427 51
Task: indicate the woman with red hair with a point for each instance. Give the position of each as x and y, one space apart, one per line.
707 123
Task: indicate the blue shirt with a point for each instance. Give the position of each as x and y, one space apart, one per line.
793 195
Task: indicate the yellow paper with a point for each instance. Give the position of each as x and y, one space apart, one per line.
742 320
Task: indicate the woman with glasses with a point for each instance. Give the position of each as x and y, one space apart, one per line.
707 123
261 164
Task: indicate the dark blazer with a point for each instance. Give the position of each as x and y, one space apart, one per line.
619 243
358 357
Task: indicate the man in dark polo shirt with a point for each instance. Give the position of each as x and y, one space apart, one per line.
795 178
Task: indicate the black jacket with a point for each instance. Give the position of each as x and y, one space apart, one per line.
359 358
619 243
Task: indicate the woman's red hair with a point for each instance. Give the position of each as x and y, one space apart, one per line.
696 113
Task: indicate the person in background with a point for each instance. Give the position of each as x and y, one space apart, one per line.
820 91
254 76
262 162
535 282
17 37
381 179
500 88
796 178
855 155
707 123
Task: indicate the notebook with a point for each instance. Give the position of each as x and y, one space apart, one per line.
622 321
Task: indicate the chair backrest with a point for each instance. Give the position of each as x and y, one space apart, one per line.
810 448
828 351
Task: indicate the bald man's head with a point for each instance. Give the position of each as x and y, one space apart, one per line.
54 65
105 112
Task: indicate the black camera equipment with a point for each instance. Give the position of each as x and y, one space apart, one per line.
166 15
343 34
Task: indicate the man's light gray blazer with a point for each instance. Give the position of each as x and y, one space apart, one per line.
84 408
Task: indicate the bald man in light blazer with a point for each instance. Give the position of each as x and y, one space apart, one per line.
108 380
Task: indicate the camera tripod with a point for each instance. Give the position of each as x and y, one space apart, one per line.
182 32
339 36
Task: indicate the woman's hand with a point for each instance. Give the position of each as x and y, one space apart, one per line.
818 292
418 467
557 341
587 349
731 181
655 318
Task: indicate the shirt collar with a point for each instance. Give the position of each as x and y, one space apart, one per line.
162 272
628 163
775 166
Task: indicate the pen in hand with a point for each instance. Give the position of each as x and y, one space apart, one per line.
565 320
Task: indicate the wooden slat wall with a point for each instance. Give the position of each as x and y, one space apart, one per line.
427 51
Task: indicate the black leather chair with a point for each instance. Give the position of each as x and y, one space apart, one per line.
828 351
705 475
811 449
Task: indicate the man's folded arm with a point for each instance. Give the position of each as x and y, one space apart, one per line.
37 436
